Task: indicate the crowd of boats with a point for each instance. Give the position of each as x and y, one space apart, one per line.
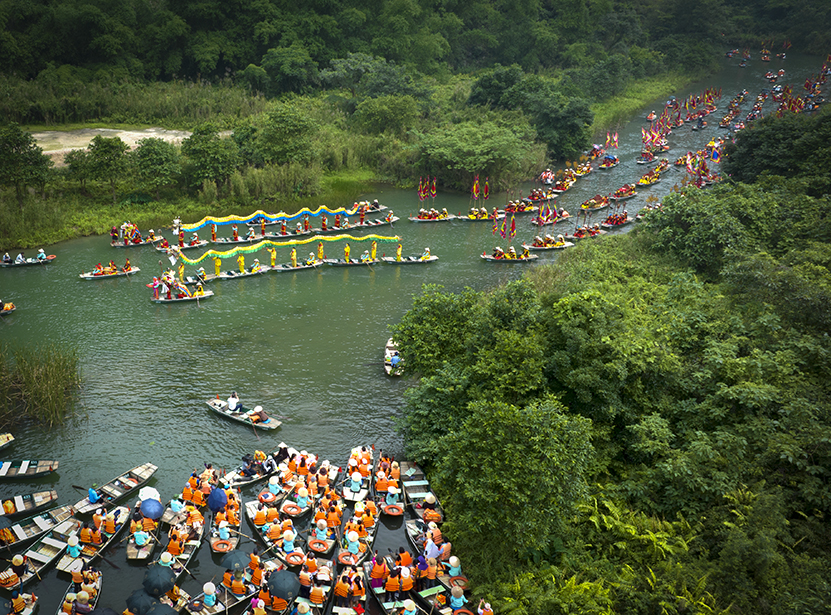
314 525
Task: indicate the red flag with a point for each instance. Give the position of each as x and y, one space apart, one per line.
614 140
433 188
487 190
512 233
475 189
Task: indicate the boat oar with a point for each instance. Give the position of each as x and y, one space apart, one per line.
189 572
241 534
101 555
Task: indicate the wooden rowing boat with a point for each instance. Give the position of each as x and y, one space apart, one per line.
623 198
528 209
188 246
299 267
562 246
143 242
136 553
42 554
242 240
388 608
236 478
345 558
487 218
189 549
89 552
493 259
92 275
233 274
409 260
205 295
609 226
71 590
589 236
28 503
444 219
26 468
390 351
118 488
430 603
242 415
226 600
5 438
6 309
353 262
219 545
30 261
33 527
360 495
416 491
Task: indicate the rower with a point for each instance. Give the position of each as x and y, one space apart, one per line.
365 258
251 234
41 255
512 252
426 254
194 241
255 266
127 265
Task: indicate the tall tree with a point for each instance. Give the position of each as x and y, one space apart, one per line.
22 162
158 163
107 160
211 157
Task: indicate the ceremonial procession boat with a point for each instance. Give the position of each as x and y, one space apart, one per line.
479 218
518 259
609 163
298 267
188 246
243 415
118 488
649 179
131 244
103 275
205 294
26 468
556 246
233 274
447 218
610 225
42 554
626 192
352 262
30 261
585 236
33 527
27 504
409 260
89 551
596 203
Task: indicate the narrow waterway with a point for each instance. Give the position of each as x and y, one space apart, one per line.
305 345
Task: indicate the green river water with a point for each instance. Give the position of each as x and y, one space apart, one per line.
306 345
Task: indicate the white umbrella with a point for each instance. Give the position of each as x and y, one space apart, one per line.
149 493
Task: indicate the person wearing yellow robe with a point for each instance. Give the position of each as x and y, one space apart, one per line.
320 254
374 250
217 266
241 261
398 252
273 253
346 249
294 257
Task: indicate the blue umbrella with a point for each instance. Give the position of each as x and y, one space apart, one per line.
152 509
217 500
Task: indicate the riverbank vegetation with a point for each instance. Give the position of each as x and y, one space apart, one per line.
644 426
38 383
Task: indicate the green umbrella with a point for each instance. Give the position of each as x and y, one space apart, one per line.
284 584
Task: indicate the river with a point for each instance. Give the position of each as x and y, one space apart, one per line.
306 345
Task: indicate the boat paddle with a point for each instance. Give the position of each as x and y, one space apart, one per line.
111 563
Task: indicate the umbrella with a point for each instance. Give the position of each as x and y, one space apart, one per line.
158 580
149 493
284 584
235 560
217 499
162 609
152 509
139 602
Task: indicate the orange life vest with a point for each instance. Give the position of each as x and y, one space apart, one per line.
406 583
109 525
260 518
148 525
317 595
237 586
342 589
392 584
86 535
174 547
379 570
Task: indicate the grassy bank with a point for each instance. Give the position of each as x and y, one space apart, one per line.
38 383
621 108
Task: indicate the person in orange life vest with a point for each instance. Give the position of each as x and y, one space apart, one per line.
378 572
228 578
407 581
238 585
342 590
392 585
358 590
484 608
432 571
317 595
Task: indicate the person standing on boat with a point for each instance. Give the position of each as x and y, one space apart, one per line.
323 222
273 253
217 265
398 251
346 250
233 402
181 238
374 250
241 262
320 254
306 223
235 232
293 257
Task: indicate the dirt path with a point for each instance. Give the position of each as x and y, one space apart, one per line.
56 143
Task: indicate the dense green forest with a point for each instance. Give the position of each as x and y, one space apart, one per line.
645 425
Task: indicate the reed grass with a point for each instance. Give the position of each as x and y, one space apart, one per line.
38 383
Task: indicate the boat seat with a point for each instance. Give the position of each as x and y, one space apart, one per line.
18 531
431 592
379 590
24 466
38 557
418 496
42 523
4 469
18 503
111 491
416 483
343 610
58 544
298 600
393 605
